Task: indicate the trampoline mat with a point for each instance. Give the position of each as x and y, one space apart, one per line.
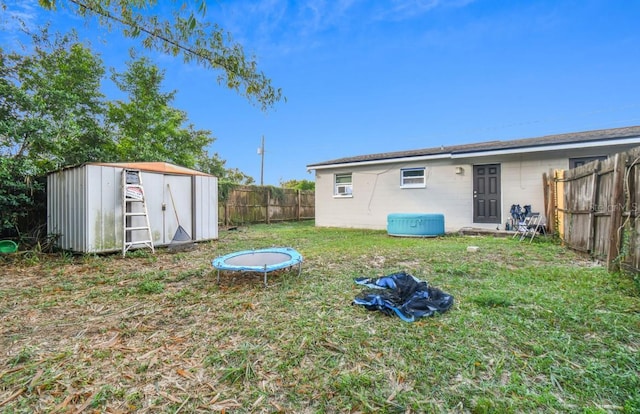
258 259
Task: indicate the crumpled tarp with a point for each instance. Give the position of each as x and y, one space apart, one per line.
403 295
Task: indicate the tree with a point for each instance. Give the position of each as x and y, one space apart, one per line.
298 184
214 165
17 194
147 128
183 34
50 116
51 107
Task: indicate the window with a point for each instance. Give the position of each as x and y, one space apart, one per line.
412 178
343 185
578 162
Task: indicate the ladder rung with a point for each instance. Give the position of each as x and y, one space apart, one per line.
138 242
141 213
136 228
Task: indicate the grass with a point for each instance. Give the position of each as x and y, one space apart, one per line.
535 328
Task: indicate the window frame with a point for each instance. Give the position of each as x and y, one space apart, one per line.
347 186
575 162
403 178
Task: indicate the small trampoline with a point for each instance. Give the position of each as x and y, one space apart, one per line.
259 261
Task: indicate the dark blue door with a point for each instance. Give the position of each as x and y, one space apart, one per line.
486 193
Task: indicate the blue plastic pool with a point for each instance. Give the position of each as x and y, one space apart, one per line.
415 224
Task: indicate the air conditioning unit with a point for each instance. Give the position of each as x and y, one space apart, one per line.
344 190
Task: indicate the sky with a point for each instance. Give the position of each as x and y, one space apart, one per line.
363 77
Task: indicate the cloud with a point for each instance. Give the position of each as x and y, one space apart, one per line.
17 16
19 11
284 26
397 10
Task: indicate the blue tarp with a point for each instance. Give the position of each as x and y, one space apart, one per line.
403 295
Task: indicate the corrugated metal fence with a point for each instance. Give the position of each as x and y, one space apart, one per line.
596 209
254 204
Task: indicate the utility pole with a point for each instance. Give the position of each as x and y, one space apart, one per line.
261 153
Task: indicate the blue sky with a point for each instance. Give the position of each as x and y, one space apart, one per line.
365 76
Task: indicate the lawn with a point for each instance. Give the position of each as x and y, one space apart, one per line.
534 328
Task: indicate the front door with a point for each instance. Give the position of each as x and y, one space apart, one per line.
486 193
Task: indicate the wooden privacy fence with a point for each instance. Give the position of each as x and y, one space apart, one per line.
254 204
596 209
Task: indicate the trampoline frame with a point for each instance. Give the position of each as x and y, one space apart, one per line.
219 263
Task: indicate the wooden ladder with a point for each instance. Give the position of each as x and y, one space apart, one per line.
135 217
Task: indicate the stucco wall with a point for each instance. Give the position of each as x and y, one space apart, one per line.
377 191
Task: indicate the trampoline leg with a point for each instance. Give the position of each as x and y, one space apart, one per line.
218 276
299 268
265 279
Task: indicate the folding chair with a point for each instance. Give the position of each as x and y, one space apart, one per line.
529 227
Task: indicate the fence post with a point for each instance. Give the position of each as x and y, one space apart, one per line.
551 204
298 207
616 207
545 197
595 189
268 202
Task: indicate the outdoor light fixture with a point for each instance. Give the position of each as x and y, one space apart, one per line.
459 170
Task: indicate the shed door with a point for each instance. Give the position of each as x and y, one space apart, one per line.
182 214
486 193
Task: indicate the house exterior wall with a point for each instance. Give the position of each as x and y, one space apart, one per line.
377 191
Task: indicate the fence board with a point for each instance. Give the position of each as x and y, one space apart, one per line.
631 240
596 208
578 220
255 204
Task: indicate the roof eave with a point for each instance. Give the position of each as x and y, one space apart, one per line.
480 153
548 147
378 161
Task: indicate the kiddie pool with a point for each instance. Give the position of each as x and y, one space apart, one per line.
259 261
415 224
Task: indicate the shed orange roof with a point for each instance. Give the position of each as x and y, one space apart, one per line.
163 167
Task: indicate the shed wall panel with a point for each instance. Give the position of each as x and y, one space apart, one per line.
66 208
206 208
104 214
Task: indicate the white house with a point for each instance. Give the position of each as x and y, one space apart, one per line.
473 185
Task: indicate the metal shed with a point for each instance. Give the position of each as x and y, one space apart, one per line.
85 204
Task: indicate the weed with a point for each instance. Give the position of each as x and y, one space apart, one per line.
22 357
102 396
149 287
